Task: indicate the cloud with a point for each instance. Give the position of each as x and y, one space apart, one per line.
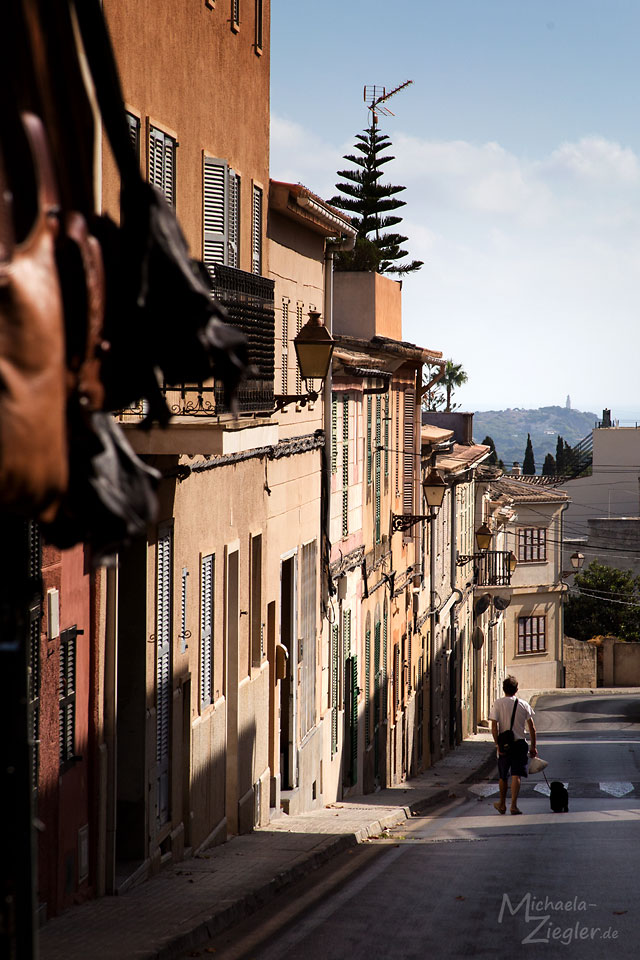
531 264
596 159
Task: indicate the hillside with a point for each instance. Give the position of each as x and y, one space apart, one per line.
509 429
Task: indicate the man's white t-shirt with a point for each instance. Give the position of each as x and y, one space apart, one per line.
502 710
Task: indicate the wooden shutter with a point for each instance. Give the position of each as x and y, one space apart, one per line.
162 162
345 465
163 672
385 675
256 600
377 675
256 231
214 197
334 433
408 452
386 435
369 460
233 222
285 346
334 689
354 720
367 687
206 629
299 308
67 705
308 636
378 470
133 124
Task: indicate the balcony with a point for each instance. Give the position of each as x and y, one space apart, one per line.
491 568
249 302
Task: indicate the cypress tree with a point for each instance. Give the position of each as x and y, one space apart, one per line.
549 466
529 464
560 464
369 204
493 456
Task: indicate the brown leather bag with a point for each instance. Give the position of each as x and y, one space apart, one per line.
33 445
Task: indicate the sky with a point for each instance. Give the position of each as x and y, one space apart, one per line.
519 145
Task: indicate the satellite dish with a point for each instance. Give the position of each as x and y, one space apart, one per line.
501 603
482 603
477 638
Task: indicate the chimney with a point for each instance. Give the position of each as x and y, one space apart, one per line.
606 418
516 470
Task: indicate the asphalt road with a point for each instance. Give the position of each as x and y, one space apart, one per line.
469 882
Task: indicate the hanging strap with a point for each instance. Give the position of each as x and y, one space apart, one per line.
513 715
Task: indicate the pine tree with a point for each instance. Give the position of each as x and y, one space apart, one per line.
549 466
529 464
369 202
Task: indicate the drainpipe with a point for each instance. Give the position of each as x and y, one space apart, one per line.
326 405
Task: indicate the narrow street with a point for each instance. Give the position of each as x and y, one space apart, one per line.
470 882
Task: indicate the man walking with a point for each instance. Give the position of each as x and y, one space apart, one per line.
511 713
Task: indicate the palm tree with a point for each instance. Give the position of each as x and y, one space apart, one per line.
454 377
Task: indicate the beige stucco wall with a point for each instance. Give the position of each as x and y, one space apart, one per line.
367 305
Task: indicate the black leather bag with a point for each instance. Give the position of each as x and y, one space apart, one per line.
506 739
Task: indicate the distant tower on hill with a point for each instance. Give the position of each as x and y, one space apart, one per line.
568 403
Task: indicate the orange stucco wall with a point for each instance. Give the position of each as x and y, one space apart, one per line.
203 83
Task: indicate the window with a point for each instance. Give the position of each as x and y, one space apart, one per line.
220 214
299 309
162 163
67 694
386 435
369 459
164 613
397 442
532 544
532 634
334 433
133 123
333 695
258 26
285 344
256 230
408 464
345 465
257 626
378 469
207 569
184 633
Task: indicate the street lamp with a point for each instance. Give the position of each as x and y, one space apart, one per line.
577 559
512 562
434 488
314 348
483 537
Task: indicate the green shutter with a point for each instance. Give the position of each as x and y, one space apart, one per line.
334 689
334 433
354 720
367 688
378 469
368 439
345 465
386 435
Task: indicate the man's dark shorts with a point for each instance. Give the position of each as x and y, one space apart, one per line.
514 763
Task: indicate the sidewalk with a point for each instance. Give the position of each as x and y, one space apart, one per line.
189 901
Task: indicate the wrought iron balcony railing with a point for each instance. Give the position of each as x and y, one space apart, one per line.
491 568
249 302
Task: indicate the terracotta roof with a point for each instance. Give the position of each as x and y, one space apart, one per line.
431 434
384 347
527 492
289 198
461 457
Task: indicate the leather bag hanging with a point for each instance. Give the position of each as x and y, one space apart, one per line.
33 447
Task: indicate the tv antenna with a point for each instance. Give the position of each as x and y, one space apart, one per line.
376 98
